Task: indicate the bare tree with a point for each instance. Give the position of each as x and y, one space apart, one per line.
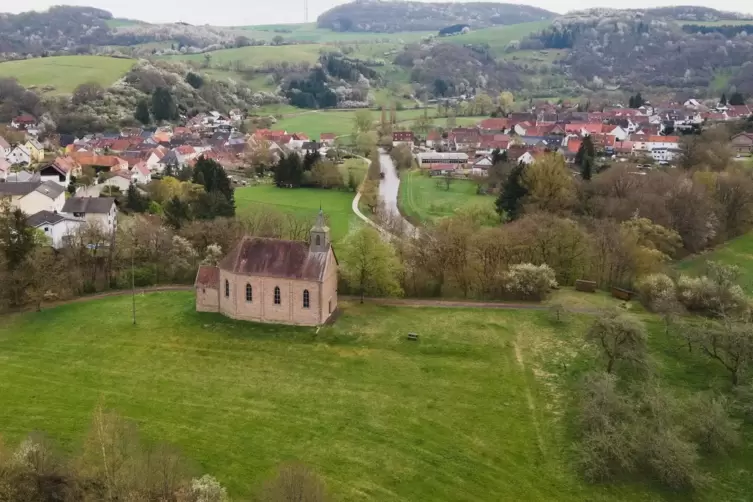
728 341
620 338
294 482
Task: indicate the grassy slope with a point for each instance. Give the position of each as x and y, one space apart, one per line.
304 202
308 32
474 411
737 252
425 199
66 72
499 36
258 55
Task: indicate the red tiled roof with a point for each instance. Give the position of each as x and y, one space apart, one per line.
275 258
573 145
498 124
208 277
327 136
185 150
663 139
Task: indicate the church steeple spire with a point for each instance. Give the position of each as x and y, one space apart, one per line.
319 236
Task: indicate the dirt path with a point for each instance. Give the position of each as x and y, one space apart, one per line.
529 397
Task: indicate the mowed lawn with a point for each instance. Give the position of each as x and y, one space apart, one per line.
738 251
425 199
314 123
66 73
303 202
461 415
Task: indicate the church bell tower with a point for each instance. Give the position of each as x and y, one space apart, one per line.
319 236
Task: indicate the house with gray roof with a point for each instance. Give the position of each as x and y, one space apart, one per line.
34 196
59 228
101 212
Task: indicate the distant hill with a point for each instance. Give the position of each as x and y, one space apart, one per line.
389 16
632 48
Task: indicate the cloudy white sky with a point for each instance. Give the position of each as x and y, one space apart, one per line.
246 12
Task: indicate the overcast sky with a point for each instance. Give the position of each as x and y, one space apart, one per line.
246 12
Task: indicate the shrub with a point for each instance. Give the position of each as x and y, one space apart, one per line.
710 425
654 289
527 281
706 296
208 489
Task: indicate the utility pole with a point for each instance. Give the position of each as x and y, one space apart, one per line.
305 11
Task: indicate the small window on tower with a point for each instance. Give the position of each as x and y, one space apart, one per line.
306 299
278 298
318 240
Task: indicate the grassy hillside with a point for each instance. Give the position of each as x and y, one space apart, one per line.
308 32
258 55
477 410
499 36
65 73
737 252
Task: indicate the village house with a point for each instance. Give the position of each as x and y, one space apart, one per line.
57 227
273 280
742 144
60 171
34 196
328 138
101 212
426 159
4 169
402 138
5 148
24 121
19 156
36 150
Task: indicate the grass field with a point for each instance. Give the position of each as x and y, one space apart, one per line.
499 36
737 252
340 122
424 199
258 56
308 32
66 73
477 410
304 202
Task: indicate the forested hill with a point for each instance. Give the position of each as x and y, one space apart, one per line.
390 16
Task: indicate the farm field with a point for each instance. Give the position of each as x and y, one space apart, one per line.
303 202
66 73
738 251
475 411
424 199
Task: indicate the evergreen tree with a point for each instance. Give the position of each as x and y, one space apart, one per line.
17 239
163 105
212 176
177 212
135 201
736 99
142 112
723 101
289 171
585 158
509 201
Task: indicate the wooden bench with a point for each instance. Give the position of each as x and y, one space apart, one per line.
585 286
623 294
